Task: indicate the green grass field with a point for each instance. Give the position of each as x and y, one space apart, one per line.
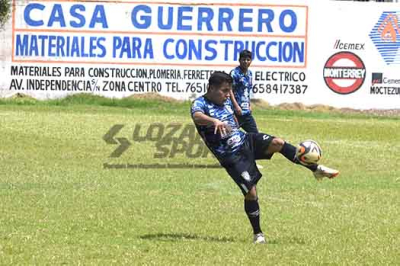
60 206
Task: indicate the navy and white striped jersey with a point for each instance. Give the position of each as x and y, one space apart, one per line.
221 146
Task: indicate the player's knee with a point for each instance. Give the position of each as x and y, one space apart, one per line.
276 145
252 194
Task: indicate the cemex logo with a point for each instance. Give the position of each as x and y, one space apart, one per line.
171 141
386 36
377 78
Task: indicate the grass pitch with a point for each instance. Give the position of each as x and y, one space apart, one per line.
59 205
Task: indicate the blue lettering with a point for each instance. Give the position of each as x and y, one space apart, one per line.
82 46
286 51
80 18
293 20
101 46
181 49
92 46
206 15
125 48
117 45
148 49
99 16
136 44
52 45
265 20
238 47
243 19
21 46
226 48
211 49
33 47
182 18
145 20
132 47
298 51
161 25
166 55
57 15
268 49
43 39
225 17
27 15
60 47
195 50
75 47
258 55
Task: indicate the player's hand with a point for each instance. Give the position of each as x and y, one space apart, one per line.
222 128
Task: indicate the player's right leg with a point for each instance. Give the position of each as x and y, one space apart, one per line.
323 171
289 152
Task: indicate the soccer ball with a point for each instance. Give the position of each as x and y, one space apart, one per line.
308 152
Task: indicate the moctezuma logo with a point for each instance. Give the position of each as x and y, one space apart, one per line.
386 36
377 78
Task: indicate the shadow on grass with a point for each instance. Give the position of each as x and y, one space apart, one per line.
174 237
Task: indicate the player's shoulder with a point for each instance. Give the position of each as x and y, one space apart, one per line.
236 71
199 104
198 100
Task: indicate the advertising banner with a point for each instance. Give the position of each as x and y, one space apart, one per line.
313 52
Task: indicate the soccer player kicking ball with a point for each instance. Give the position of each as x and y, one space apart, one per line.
238 151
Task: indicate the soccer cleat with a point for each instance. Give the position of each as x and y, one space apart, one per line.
323 171
259 238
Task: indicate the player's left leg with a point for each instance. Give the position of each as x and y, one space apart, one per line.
252 210
242 168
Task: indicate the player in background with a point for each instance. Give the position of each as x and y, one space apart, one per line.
241 89
240 94
238 151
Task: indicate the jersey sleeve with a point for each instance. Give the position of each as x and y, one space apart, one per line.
198 106
234 78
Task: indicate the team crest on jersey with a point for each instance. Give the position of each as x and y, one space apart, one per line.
234 139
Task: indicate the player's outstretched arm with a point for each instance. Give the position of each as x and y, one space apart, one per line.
220 127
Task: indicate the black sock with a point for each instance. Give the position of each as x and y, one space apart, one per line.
289 151
252 210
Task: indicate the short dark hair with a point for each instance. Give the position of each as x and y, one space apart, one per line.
217 78
245 54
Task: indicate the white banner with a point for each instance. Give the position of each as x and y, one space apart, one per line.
313 52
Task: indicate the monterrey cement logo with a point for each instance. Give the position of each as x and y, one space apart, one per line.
344 73
386 37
